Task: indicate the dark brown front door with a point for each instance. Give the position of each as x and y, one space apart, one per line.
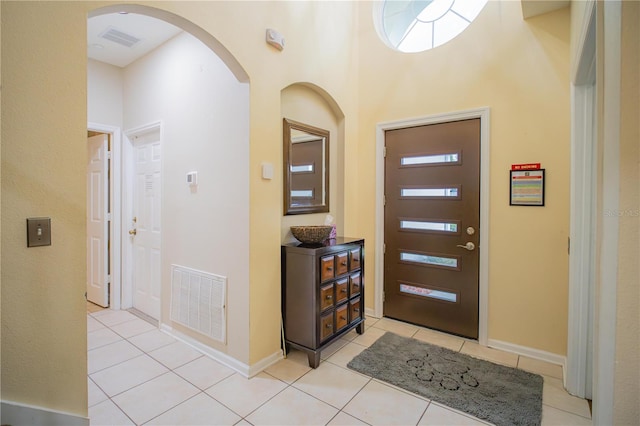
432 219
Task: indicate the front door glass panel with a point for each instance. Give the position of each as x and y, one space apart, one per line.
427 292
431 159
427 225
429 260
427 192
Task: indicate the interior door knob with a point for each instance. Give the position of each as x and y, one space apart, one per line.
469 246
133 232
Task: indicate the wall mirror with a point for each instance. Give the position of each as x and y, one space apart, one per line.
306 168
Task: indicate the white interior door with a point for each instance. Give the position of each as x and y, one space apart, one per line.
97 223
145 230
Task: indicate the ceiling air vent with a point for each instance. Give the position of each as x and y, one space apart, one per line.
119 37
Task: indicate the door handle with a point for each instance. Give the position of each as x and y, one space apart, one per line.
469 246
133 232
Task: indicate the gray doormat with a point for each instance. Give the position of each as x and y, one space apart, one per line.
495 393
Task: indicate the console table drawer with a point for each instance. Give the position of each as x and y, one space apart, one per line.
354 284
342 290
342 316
326 326
342 266
327 271
326 297
355 310
354 259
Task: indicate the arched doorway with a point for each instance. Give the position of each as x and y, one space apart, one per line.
196 101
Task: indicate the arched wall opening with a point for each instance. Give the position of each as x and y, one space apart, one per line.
199 93
186 25
310 104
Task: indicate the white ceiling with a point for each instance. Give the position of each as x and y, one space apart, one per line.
151 32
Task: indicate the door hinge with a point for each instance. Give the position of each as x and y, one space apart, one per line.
384 152
568 245
384 248
108 279
108 217
108 155
384 200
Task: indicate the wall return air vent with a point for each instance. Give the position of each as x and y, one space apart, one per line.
116 36
198 301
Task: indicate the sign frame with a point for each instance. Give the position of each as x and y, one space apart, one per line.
527 187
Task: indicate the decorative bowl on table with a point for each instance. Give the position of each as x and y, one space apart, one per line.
311 234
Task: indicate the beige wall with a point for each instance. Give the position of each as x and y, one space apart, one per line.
44 337
519 69
44 115
627 377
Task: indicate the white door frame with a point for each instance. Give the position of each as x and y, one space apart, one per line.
115 233
582 258
605 317
483 115
127 206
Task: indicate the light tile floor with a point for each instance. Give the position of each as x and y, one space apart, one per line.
140 375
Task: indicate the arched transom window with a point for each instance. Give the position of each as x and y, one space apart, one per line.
419 25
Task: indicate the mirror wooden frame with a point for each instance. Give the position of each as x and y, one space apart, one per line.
289 208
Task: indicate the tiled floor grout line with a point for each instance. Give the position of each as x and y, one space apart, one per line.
265 402
116 364
340 410
171 408
112 401
200 391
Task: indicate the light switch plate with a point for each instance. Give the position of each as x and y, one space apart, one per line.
267 171
38 231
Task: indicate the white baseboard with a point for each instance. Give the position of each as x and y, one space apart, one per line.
264 363
16 414
370 312
242 368
531 353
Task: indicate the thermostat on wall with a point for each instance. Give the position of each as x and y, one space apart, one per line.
192 178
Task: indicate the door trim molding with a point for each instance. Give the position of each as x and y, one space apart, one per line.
606 326
483 113
582 231
115 233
